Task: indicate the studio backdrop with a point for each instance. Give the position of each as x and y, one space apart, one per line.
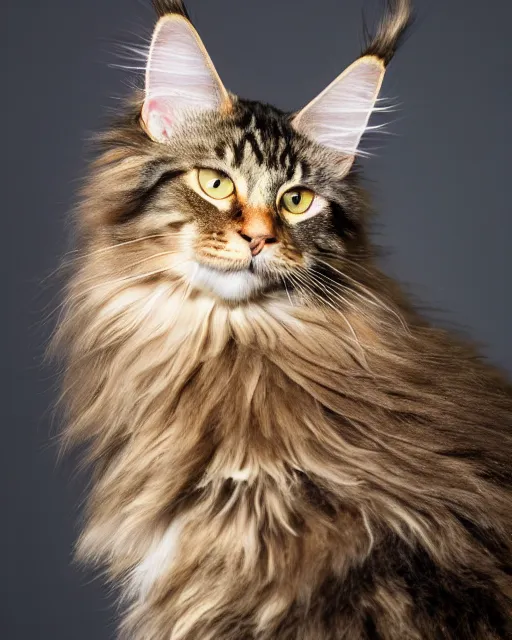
439 178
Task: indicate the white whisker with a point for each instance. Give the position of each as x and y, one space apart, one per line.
338 298
106 283
373 299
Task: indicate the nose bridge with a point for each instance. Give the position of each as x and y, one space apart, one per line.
257 222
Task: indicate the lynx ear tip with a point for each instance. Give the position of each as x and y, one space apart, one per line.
378 60
371 58
170 7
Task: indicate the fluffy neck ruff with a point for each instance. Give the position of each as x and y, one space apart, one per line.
269 443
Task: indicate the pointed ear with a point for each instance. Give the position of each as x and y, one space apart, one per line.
338 117
180 78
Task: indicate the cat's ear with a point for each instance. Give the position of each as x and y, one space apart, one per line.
180 78
338 117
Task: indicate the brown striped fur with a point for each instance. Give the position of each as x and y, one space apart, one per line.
312 462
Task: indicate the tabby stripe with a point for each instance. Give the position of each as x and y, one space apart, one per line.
238 151
251 139
305 169
140 197
245 120
220 151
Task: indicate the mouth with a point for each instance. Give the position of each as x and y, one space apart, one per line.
232 285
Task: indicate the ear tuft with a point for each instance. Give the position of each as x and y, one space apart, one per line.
391 30
167 7
180 78
338 117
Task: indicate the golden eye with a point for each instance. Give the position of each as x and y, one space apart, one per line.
297 201
215 183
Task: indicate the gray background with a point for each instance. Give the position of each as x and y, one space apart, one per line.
441 184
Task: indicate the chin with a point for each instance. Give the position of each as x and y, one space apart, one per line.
231 286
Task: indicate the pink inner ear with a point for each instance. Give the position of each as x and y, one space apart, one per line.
158 118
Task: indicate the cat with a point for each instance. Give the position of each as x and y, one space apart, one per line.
281 447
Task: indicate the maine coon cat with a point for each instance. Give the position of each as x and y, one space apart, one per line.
281 448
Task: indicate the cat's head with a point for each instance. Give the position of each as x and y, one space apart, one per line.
235 198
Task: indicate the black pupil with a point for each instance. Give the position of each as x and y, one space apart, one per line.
296 199
216 183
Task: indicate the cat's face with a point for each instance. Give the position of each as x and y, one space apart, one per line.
235 198
248 203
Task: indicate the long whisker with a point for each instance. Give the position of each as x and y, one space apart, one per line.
286 289
70 259
128 242
333 298
68 301
118 245
103 249
330 283
132 278
306 282
297 285
366 292
66 304
139 262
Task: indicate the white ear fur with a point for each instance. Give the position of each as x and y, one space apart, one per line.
338 117
180 78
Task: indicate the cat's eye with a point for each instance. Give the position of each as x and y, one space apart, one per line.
298 200
215 183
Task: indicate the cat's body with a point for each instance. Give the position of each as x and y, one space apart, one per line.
275 457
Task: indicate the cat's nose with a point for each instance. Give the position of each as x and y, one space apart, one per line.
257 228
258 242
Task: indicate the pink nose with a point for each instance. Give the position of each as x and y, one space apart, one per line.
257 243
257 227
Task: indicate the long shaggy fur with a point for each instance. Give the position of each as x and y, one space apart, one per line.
315 462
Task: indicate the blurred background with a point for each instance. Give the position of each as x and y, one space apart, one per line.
439 180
